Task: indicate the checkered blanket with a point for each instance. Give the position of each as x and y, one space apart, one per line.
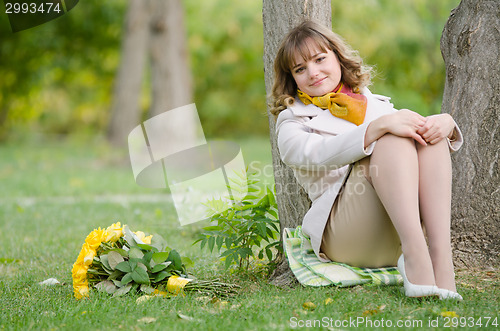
310 271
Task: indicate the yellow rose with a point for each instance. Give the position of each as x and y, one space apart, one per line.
142 236
88 254
114 232
96 237
81 291
79 273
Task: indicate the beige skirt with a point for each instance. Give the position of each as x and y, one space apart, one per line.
359 232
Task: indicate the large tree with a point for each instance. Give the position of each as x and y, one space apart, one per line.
279 17
154 28
470 46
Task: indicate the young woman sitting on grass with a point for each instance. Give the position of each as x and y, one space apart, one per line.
376 176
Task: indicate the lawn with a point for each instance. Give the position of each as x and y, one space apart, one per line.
54 192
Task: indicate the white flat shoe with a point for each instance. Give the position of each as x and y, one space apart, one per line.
445 294
413 290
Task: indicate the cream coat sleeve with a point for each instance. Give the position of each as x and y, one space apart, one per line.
301 147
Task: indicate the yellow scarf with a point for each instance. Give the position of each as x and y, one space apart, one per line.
342 103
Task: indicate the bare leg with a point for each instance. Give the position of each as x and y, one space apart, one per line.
394 172
435 208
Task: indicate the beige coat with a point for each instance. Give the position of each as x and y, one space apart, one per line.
320 148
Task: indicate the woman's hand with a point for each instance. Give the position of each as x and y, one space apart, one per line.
406 123
436 128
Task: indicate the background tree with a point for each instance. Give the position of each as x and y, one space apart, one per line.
470 44
154 27
279 17
125 110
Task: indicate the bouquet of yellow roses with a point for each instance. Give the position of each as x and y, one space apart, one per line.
117 260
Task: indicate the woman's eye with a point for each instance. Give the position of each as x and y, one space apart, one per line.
299 70
320 59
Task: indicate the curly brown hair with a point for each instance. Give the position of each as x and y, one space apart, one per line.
354 73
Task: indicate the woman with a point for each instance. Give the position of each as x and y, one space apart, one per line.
377 177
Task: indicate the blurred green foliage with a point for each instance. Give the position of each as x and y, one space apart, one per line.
58 78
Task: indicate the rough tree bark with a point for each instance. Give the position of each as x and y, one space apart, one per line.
154 27
470 46
280 16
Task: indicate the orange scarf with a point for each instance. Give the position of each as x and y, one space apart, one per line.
342 103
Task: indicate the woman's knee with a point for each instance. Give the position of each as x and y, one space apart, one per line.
396 141
395 146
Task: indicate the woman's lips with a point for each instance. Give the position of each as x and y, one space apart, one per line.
318 82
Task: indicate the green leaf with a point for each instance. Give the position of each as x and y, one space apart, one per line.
114 258
147 289
160 267
117 283
176 259
162 275
133 263
219 242
106 286
269 254
126 279
142 266
160 257
158 242
129 236
211 242
188 262
228 261
147 257
136 253
203 242
124 266
145 247
212 228
140 276
115 274
121 251
122 291
273 213
262 229
104 261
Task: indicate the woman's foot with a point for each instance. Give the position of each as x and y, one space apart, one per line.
413 290
445 294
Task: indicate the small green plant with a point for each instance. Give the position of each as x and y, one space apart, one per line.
240 228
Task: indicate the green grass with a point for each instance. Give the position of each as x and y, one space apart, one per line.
55 192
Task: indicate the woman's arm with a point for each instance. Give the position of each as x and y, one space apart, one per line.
302 148
404 123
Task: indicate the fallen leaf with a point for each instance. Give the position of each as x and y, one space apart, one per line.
147 320
449 314
143 298
308 305
50 281
185 317
328 301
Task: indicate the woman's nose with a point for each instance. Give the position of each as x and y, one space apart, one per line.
313 71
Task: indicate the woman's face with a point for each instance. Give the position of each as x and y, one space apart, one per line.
319 75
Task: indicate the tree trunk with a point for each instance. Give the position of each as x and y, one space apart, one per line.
470 44
125 112
170 74
156 26
279 17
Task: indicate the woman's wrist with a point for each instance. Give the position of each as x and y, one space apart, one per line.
376 129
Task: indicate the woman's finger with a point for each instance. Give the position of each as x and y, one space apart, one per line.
419 139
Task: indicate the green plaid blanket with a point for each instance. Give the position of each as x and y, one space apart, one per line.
310 271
